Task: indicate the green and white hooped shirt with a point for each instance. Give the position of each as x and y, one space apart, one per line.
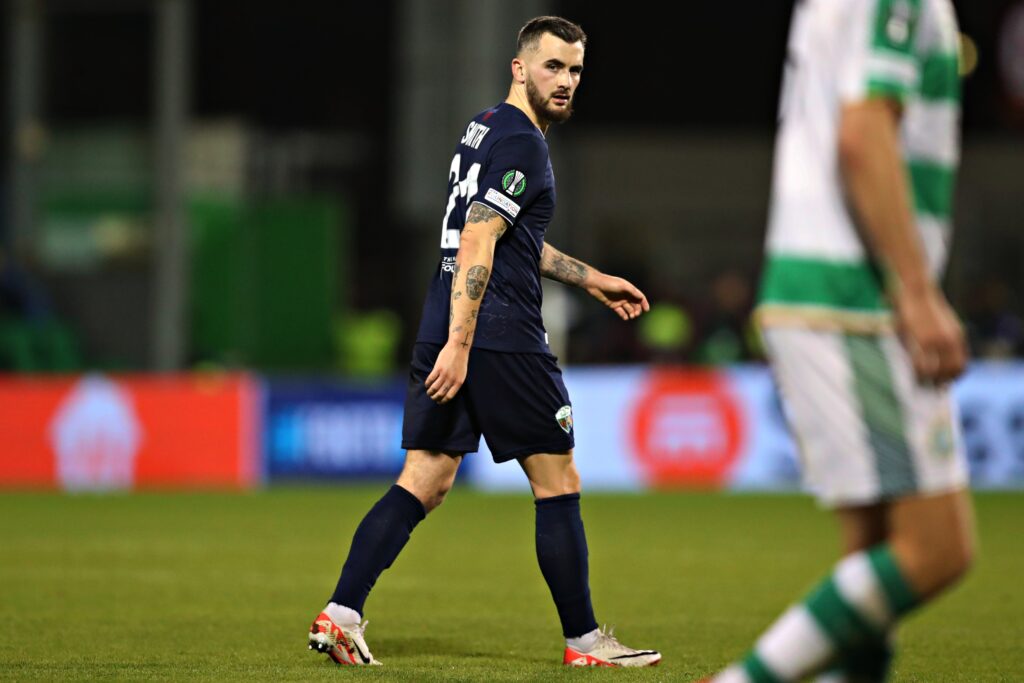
818 271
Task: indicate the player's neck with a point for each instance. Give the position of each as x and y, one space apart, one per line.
518 99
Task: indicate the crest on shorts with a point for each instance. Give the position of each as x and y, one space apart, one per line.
941 439
564 417
514 182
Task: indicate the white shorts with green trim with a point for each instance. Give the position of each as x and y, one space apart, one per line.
867 431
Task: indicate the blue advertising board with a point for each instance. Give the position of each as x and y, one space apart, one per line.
329 429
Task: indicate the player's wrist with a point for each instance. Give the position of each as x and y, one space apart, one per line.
910 286
457 342
594 278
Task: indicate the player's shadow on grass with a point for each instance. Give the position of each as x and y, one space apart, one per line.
426 646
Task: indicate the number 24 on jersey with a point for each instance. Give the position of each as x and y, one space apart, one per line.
467 188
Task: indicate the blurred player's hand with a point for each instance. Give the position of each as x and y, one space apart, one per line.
619 295
931 333
449 372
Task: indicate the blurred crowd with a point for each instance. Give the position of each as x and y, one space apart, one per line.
714 325
711 325
32 337
993 319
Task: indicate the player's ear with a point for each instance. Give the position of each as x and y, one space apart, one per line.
518 70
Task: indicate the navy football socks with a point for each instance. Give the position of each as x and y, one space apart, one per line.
562 555
379 538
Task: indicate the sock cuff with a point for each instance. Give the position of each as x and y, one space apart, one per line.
408 501
583 642
900 596
566 500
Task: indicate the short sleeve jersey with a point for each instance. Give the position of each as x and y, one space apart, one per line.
501 162
818 270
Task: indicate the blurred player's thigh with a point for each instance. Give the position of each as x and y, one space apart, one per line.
867 431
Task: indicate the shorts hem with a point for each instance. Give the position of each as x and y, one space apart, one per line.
840 502
417 446
549 447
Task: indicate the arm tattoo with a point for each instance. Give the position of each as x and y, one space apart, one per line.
476 281
476 278
557 266
478 213
454 295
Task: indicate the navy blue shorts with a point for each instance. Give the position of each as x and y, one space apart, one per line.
516 400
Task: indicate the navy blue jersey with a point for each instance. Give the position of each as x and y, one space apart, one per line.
501 162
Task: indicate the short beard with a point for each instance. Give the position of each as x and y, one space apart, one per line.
540 106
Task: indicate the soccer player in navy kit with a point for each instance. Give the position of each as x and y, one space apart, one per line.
481 363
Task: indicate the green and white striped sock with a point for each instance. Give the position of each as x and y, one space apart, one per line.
867 664
850 610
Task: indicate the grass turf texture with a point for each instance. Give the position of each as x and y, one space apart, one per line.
223 587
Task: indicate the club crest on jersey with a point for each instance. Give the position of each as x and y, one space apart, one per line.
564 417
513 182
898 25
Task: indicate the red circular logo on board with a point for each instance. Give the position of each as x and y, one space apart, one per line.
687 429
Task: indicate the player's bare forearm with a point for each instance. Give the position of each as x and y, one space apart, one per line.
472 272
617 294
468 286
563 268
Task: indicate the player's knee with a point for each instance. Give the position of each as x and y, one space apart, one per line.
430 494
429 476
958 552
437 496
961 556
565 483
951 563
954 564
571 480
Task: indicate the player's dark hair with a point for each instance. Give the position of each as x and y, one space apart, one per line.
529 35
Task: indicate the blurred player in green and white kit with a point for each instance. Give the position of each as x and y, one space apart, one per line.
861 338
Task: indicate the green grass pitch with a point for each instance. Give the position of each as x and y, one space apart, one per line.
223 587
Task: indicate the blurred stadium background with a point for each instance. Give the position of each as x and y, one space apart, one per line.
217 221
